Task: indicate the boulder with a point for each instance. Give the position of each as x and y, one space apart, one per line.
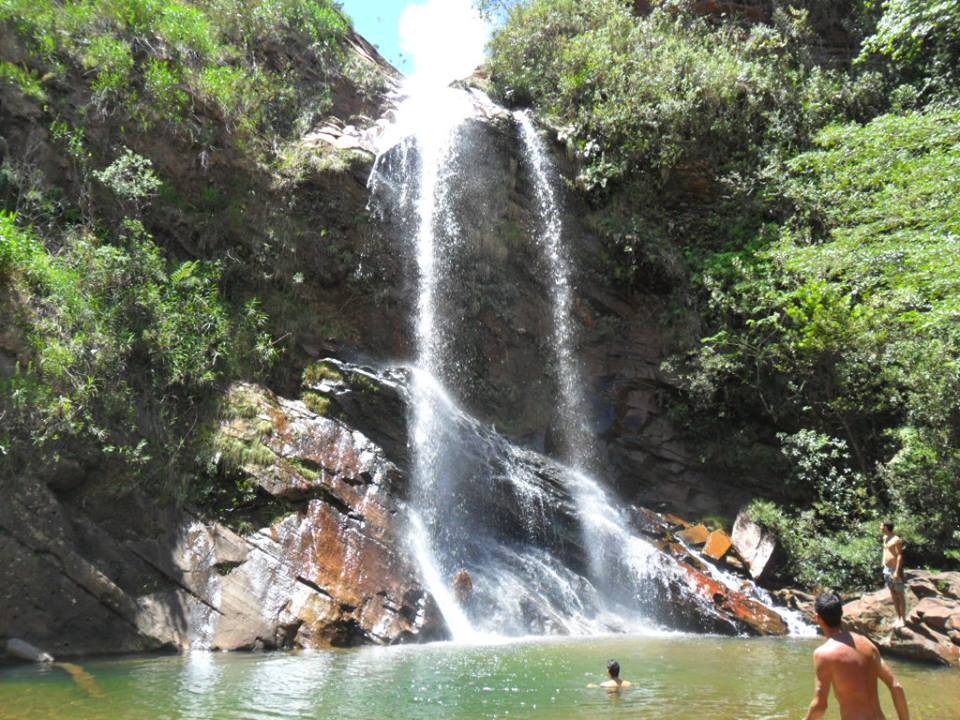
745 613
696 535
925 584
929 634
755 544
937 613
717 545
22 650
872 614
907 642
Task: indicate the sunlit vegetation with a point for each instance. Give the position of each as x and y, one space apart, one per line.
169 60
134 284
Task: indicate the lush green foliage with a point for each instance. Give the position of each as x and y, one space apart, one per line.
678 122
921 41
669 93
166 60
849 325
28 83
114 334
130 281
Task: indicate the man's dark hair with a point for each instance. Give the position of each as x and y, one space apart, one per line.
830 608
613 667
888 526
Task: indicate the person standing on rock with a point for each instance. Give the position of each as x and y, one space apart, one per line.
851 665
893 571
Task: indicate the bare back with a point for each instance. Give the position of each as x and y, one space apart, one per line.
892 548
616 685
851 664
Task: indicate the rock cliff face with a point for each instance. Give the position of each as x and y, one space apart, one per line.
318 558
330 569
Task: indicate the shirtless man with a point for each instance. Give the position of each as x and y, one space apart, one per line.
851 664
893 571
615 684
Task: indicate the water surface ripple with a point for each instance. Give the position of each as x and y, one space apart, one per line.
678 678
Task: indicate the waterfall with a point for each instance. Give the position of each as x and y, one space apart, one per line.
577 439
425 130
548 549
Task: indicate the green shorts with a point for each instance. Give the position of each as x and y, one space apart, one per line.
891 582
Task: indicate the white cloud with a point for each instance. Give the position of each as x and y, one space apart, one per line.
445 38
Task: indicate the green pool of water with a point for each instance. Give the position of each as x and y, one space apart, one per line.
677 678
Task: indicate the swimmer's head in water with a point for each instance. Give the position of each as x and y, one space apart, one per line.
830 609
613 667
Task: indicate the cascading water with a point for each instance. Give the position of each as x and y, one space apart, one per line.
426 125
577 439
567 561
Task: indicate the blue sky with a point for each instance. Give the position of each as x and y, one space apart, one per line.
379 22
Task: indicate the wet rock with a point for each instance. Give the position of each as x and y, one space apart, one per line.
374 403
717 545
25 651
333 571
736 563
743 613
799 601
696 535
755 544
908 642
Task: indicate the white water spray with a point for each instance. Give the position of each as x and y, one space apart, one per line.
576 434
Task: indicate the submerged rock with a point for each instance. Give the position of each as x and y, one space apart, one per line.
25 651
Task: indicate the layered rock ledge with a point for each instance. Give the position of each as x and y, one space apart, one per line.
932 630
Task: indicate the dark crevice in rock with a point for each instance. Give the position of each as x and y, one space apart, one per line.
313 586
225 568
176 581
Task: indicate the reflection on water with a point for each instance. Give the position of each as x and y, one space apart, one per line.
677 678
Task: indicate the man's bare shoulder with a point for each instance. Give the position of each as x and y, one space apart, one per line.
865 645
614 685
846 648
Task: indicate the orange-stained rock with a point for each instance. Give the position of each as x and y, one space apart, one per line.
332 572
750 615
696 535
676 520
718 544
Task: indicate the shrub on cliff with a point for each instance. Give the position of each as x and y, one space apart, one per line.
650 96
168 61
919 40
122 346
678 122
849 323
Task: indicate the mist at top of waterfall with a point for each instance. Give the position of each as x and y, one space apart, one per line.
445 38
